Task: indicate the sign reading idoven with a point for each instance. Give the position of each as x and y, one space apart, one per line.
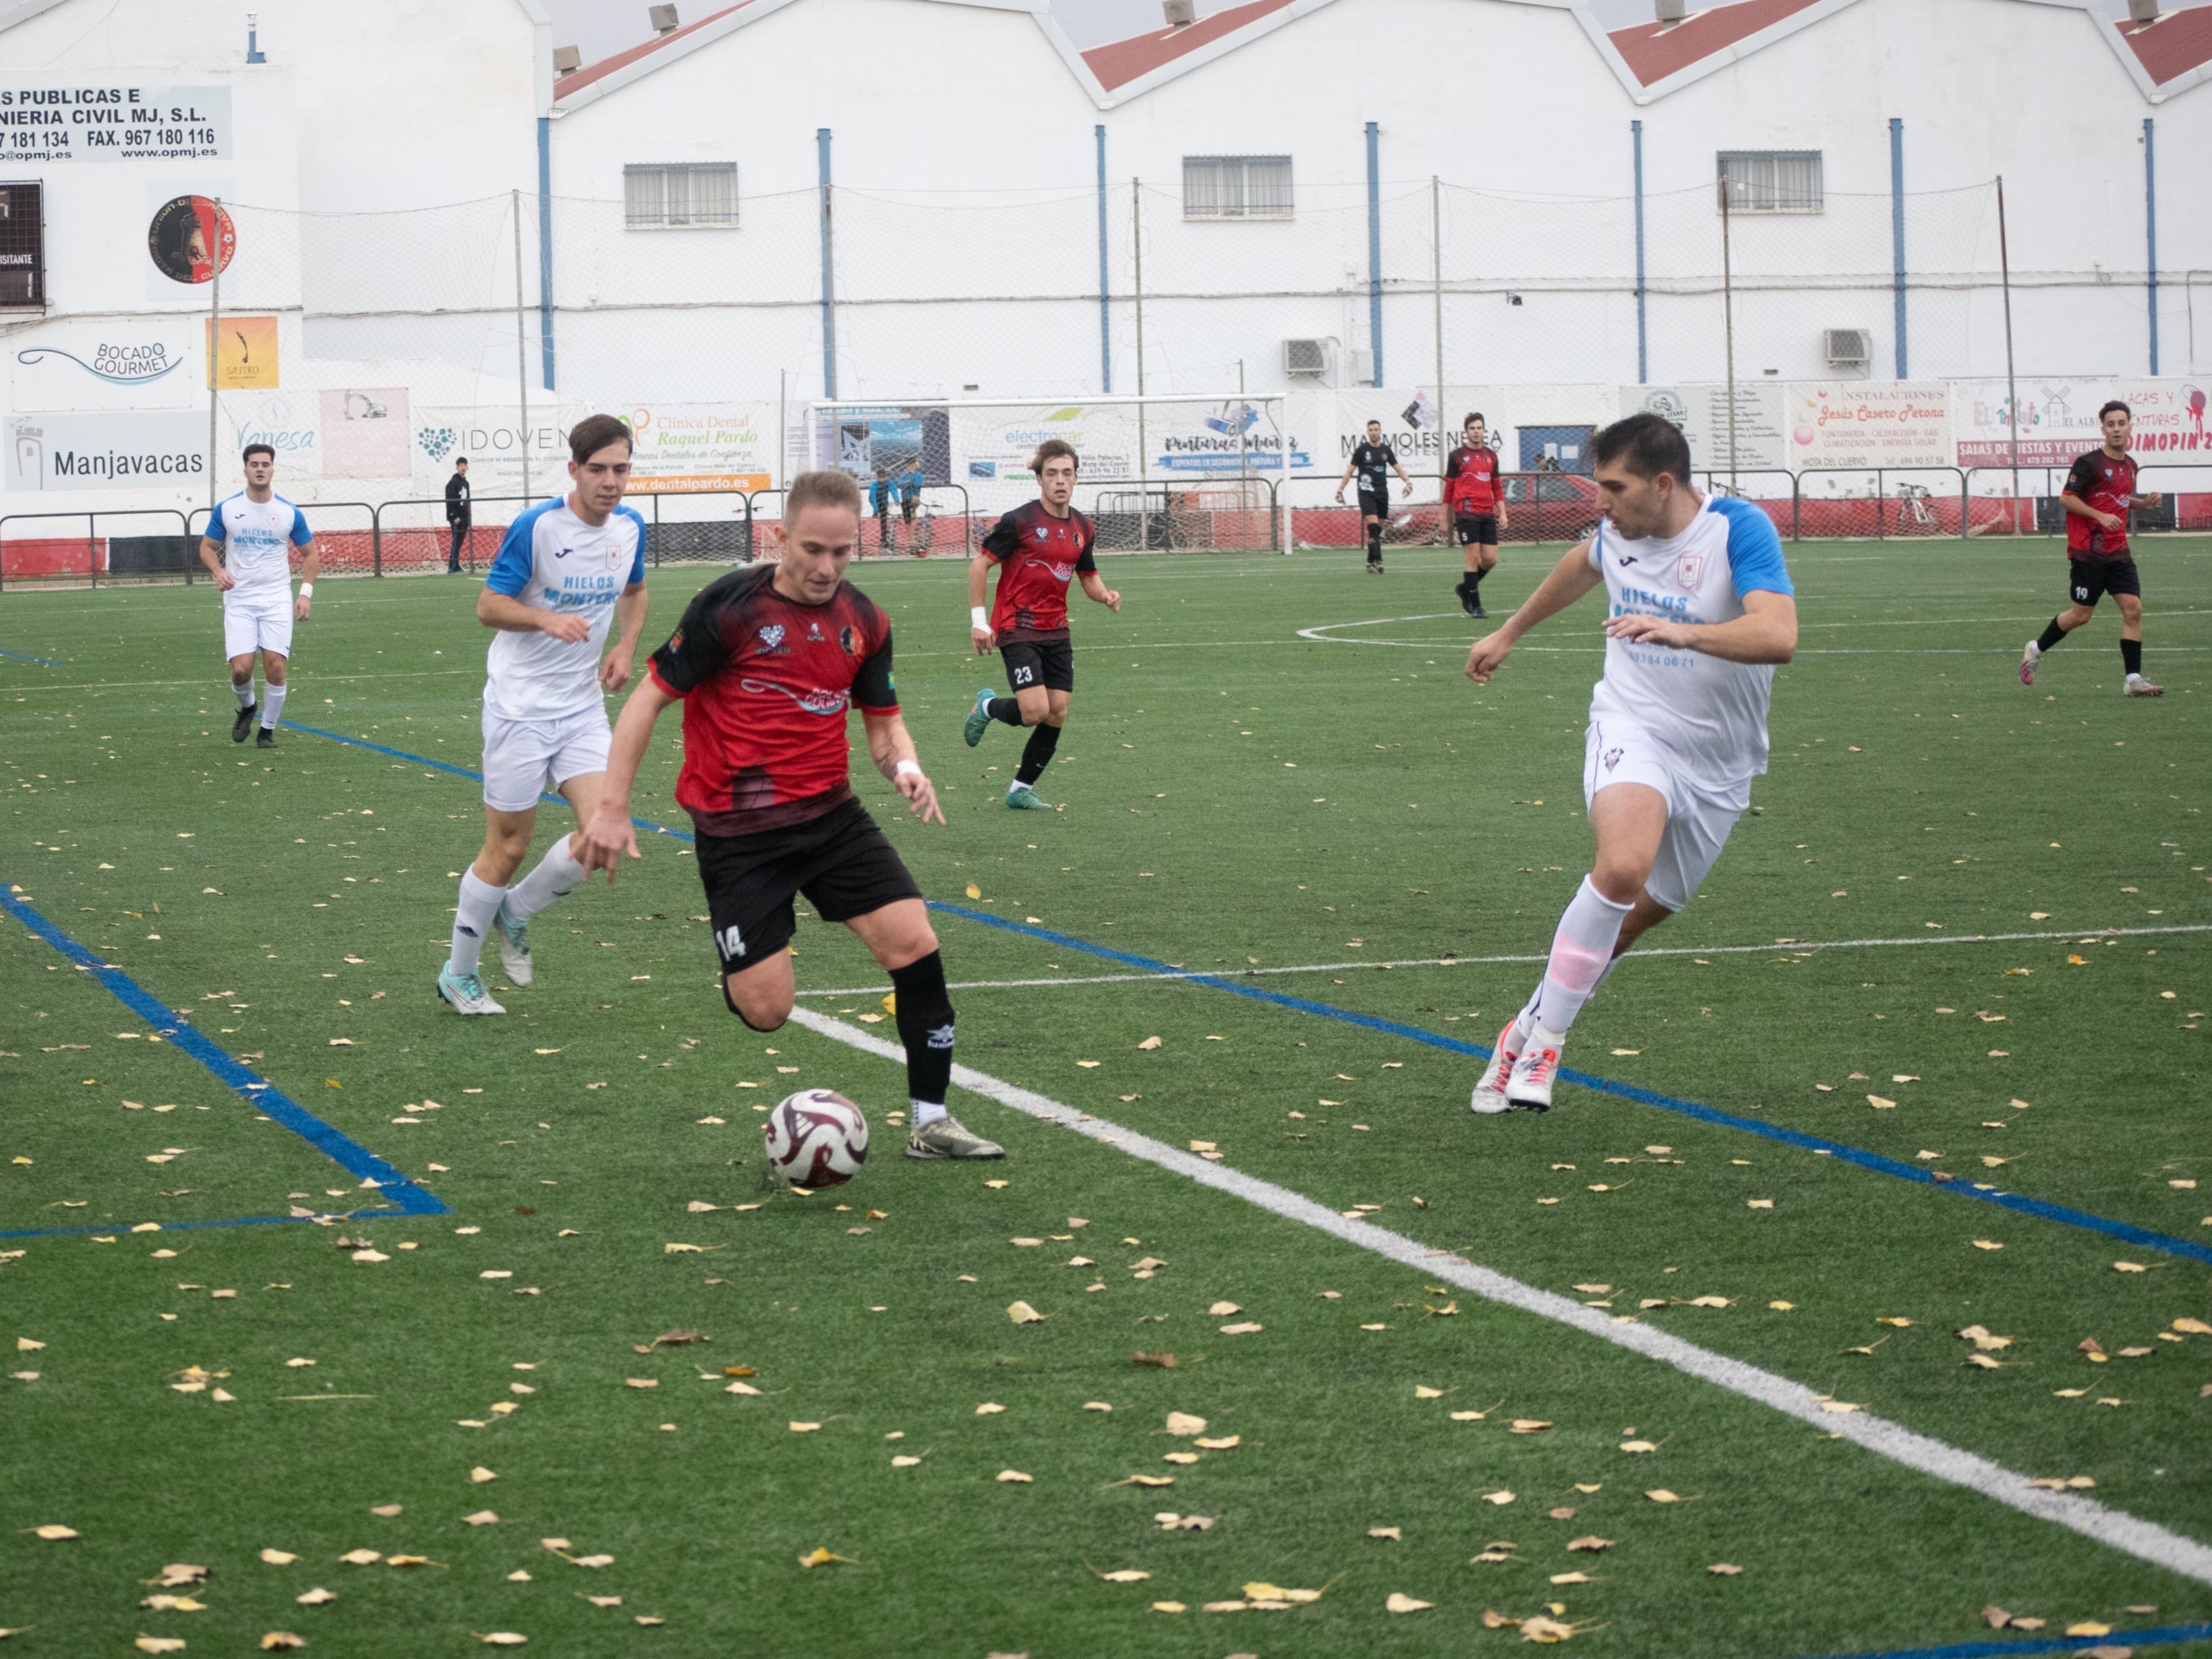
121 450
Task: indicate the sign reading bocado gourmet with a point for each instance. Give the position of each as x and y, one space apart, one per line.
119 362
126 449
73 118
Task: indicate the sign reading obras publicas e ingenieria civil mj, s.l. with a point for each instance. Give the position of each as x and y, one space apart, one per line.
126 449
79 118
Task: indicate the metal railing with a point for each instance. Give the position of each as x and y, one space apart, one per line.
2000 511
891 534
86 558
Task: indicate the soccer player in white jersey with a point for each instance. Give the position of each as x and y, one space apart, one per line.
1699 610
248 547
567 569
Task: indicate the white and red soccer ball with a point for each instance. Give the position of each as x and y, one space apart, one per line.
816 1139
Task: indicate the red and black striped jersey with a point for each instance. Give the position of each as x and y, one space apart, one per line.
765 682
1471 480
2109 486
1037 555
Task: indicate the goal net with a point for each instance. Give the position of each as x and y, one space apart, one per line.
1179 473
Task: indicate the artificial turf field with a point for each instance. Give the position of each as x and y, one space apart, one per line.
1237 798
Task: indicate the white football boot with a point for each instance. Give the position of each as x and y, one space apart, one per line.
1490 1093
1528 1088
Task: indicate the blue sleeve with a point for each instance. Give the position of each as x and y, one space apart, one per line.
637 564
1597 547
301 534
215 531
511 571
1754 550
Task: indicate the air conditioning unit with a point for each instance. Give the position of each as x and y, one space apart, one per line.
1309 357
1846 348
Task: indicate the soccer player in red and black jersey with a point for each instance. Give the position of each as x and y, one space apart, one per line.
2099 492
1477 494
1038 548
765 663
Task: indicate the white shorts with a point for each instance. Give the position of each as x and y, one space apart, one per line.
256 622
1699 818
522 759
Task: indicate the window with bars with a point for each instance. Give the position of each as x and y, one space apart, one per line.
1773 180
23 248
1235 187
680 196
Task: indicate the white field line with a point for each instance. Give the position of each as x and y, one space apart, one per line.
1781 946
2144 1540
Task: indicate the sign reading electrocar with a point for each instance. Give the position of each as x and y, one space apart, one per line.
124 450
76 119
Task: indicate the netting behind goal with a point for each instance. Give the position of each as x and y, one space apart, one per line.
1174 474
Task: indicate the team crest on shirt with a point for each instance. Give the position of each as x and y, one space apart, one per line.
814 632
1613 758
772 635
845 639
1689 567
1044 533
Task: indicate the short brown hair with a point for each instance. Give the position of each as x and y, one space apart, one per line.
821 489
594 433
2116 404
1051 450
1646 445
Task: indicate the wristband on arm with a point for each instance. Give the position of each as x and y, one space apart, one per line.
978 618
906 766
307 590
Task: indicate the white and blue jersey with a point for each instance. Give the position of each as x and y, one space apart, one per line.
257 538
1710 713
553 560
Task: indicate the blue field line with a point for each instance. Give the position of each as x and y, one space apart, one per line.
2126 1231
2119 1638
1865 1160
19 657
347 1153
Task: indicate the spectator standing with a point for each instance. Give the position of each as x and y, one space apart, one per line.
457 515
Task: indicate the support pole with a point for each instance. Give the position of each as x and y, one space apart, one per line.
1727 322
1643 335
1137 253
1375 247
1896 234
2150 227
2011 381
828 279
1436 283
215 354
1105 287
545 246
521 352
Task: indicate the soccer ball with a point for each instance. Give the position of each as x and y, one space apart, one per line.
816 1139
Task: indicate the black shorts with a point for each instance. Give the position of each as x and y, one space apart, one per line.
1478 530
841 861
1372 506
1048 663
2088 581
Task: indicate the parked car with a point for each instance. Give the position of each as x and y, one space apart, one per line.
1551 507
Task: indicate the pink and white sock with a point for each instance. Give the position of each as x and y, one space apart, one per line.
1582 953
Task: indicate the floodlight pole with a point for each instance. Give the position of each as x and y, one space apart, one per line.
1728 317
521 352
214 356
2012 383
1137 252
1436 281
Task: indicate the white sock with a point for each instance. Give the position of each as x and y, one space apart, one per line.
272 705
926 1112
1581 949
479 903
244 694
557 872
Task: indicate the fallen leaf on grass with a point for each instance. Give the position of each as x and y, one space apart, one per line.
279 1640
159 1644
804 1428
1121 1576
601 1600
362 1558
1169 1606
316 1597
1246 1329
1401 1602
1182 1423
1022 1313
1163 1361
1987 1244
1180 1457
1591 1543
1394 1533
2129 1267
1501 1497
1639 1446
1661 1495
279 1558
504 1639
480 1518
1014 1478
1225 1443
1724 1569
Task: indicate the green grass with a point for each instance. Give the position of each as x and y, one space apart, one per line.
1234 796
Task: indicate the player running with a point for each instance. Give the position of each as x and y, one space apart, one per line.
2099 492
1373 462
1477 494
765 663
1038 549
1700 611
567 569
246 549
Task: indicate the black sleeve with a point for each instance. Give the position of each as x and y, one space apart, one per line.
873 687
1389 456
2081 480
695 653
1005 537
1451 464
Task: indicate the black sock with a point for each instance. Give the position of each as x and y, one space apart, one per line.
925 1026
2131 655
2052 635
1474 582
1006 710
1374 544
1036 755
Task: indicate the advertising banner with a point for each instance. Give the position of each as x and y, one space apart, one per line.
1701 410
1869 423
496 443
91 117
107 449
2058 420
139 363
692 447
245 357
365 433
